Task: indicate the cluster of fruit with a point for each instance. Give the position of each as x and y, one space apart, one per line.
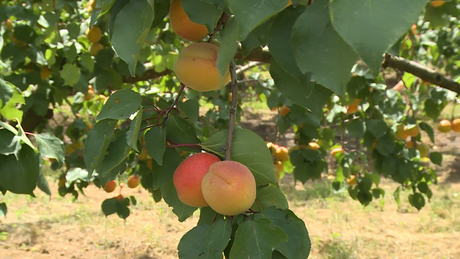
446 125
280 155
202 180
94 35
133 182
407 133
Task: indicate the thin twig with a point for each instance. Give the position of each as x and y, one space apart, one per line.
222 21
231 126
173 105
248 66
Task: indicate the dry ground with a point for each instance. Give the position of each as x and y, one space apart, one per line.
339 227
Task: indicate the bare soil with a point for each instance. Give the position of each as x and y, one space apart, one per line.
339 227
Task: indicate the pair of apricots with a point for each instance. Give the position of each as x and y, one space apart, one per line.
202 180
196 64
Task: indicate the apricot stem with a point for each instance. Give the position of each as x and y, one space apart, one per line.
231 125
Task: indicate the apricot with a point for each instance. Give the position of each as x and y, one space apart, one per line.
196 67
94 34
272 148
423 149
437 3
277 173
133 181
284 110
95 48
229 188
279 165
352 180
401 133
282 154
189 175
313 145
336 150
413 131
110 186
410 144
444 126
456 125
352 108
45 72
182 25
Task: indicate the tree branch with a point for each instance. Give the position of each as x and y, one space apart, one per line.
147 75
231 125
421 71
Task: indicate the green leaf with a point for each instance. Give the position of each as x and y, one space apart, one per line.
270 196
42 184
298 244
279 41
9 143
109 206
130 29
132 135
320 50
190 108
202 12
10 109
417 200
77 173
428 129
97 142
71 74
251 13
372 27
51 147
3 209
170 196
397 195
205 241
116 153
123 211
155 143
20 175
179 131
377 127
356 128
6 92
255 156
386 144
208 216
228 46
257 239
120 105
163 174
300 90
436 158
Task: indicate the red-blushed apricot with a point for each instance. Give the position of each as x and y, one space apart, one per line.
229 188
196 67
189 175
437 3
110 186
133 181
182 25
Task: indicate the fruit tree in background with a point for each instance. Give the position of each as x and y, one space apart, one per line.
110 91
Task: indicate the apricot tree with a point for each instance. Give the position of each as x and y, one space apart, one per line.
107 88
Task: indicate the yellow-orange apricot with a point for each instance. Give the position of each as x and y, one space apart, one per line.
110 186
413 131
444 126
189 175
456 125
401 133
410 144
279 165
229 188
133 181
94 34
284 110
182 25
313 145
437 3
45 72
95 48
196 67
336 150
282 154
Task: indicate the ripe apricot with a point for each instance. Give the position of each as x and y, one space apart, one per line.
413 131
279 165
437 3
196 67
182 25
45 72
444 126
229 188
110 186
133 181
272 148
284 110
456 125
352 180
352 108
94 34
282 154
410 144
336 150
189 175
95 48
401 133
313 145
